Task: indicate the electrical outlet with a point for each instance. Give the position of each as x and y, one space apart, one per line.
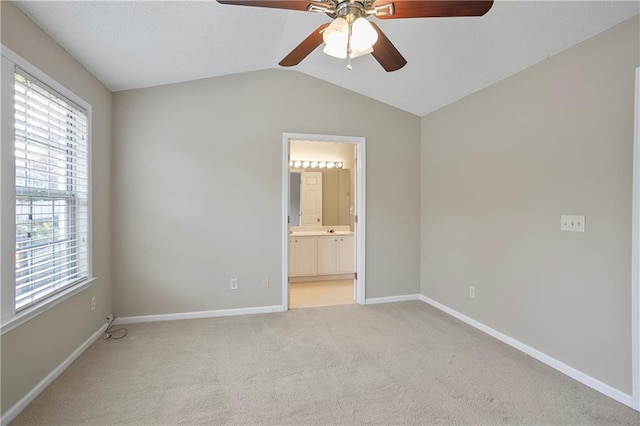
265 282
472 292
93 303
109 317
233 284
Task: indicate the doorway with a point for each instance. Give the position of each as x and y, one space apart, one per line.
635 252
323 193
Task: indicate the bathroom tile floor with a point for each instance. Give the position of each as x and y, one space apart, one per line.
320 293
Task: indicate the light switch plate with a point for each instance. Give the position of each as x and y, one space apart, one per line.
572 223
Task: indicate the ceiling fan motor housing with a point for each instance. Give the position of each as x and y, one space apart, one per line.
353 9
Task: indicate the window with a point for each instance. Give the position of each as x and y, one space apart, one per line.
51 191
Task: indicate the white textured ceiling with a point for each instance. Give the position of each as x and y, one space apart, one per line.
138 44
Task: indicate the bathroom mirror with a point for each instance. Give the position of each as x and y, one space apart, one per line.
336 197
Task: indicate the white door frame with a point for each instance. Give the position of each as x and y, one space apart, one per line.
359 142
635 253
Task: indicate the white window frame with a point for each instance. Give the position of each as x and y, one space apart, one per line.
11 319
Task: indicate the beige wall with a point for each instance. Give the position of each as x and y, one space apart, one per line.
31 351
197 189
499 168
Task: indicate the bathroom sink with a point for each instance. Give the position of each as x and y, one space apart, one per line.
303 233
319 231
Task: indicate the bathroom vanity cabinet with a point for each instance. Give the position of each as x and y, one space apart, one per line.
335 255
303 253
321 255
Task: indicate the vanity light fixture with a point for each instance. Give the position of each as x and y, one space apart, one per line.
305 164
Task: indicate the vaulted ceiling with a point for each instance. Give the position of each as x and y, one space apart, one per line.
137 44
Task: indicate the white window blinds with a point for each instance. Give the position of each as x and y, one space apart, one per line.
52 191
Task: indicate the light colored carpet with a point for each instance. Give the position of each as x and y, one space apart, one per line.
383 364
320 293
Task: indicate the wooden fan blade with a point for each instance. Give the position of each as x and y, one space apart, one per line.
435 8
386 53
276 4
303 50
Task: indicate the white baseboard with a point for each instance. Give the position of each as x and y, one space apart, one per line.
33 393
200 314
391 299
540 356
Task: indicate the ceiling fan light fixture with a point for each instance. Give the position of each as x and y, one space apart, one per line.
336 51
335 38
357 53
363 35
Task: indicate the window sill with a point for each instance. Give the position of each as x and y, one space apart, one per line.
35 310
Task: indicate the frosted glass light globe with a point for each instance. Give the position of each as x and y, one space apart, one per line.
335 38
363 35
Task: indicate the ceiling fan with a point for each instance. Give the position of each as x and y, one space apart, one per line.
350 34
